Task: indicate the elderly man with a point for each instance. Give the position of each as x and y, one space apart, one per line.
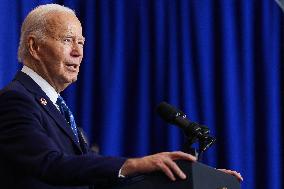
40 143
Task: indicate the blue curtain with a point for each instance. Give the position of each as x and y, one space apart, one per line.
219 61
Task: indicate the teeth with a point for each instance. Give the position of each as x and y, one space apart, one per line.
74 66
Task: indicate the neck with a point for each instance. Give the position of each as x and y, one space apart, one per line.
44 74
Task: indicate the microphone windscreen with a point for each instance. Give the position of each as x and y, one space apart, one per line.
167 112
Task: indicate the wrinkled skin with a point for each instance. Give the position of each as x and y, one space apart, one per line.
58 56
57 59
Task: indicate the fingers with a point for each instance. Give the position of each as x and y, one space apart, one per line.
169 167
175 169
234 173
162 161
167 171
181 155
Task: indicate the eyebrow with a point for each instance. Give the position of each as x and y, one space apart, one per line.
73 36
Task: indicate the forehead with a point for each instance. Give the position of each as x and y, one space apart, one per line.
61 23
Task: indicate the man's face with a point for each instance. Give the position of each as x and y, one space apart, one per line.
61 52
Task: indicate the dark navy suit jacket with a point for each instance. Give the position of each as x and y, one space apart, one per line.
38 149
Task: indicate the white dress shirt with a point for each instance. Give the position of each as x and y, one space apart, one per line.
43 84
49 91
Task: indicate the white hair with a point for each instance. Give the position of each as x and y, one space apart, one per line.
35 23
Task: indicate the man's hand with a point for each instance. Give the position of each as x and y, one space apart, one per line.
158 162
234 173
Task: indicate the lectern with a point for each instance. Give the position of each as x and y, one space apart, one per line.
199 176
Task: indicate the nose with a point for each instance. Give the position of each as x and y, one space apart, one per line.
77 50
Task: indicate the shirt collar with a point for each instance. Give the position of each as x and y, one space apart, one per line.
43 84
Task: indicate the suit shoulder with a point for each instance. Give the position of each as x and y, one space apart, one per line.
15 94
14 88
16 103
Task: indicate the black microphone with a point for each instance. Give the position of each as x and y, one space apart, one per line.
175 116
191 129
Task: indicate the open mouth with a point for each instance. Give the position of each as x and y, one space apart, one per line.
72 67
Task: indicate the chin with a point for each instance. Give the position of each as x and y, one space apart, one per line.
68 81
73 79
70 78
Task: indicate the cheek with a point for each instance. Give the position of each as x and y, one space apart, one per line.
52 55
66 52
63 53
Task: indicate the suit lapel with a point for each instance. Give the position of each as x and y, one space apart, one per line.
58 118
47 105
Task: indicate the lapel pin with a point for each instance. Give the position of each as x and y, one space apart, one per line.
43 101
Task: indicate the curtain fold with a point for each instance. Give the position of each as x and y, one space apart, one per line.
221 62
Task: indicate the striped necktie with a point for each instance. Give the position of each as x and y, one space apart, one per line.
66 112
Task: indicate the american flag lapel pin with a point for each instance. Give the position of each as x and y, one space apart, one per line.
43 101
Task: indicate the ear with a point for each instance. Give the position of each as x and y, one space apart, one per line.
33 47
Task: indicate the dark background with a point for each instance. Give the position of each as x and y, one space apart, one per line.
220 61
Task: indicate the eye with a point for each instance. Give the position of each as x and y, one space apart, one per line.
67 39
81 43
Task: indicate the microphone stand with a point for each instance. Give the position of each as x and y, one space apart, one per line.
204 143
